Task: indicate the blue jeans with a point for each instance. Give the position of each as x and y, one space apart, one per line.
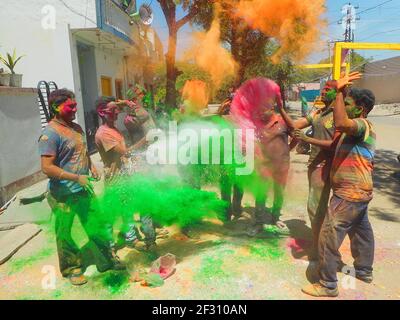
345 217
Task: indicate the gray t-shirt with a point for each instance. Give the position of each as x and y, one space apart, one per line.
323 129
68 145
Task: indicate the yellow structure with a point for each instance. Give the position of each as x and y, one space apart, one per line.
340 46
324 66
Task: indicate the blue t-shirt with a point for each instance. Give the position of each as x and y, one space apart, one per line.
68 145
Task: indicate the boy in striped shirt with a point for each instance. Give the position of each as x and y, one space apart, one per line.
351 179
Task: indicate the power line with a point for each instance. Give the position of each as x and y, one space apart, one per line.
375 7
378 33
76 12
366 10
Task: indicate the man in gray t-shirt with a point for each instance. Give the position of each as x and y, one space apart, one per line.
319 163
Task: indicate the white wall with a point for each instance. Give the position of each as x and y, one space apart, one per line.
47 52
47 55
109 63
20 129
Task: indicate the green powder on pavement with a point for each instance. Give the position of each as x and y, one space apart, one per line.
16 265
116 282
212 266
266 248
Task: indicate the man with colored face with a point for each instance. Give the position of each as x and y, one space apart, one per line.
138 121
351 179
319 162
65 160
111 145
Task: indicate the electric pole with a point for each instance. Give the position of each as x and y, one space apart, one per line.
349 23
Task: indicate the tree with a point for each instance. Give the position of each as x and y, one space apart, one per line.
247 46
191 8
187 71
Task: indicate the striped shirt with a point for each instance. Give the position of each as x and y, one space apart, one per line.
351 173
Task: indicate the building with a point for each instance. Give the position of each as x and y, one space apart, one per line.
88 46
383 79
309 90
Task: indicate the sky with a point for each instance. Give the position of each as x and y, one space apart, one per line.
379 22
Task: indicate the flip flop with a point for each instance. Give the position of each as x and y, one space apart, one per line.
282 227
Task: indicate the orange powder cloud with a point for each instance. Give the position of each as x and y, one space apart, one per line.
209 54
195 95
296 24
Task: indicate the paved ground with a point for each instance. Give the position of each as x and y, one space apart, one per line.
225 264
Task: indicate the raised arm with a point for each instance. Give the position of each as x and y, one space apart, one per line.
325 144
292 124
342 121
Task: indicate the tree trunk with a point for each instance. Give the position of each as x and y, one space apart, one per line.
170 99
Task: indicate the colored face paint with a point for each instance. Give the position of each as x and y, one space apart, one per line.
352 110
328 95
67 110
331 95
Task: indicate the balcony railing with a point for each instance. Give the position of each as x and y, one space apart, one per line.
112 18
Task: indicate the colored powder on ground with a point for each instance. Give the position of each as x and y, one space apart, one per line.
153 280
298 244
16 265
57 294
212 266
268 248
116 282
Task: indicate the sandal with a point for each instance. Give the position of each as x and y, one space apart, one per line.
77 278
162 231
282 227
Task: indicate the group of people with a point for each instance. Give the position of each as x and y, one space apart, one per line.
341 161
65 160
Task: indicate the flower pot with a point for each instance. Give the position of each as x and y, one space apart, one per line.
4 79
16 80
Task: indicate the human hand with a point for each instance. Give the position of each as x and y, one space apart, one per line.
279 103
299 135
95 173
86 183
347 80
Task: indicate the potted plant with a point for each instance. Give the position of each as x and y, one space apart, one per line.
10 62
4 78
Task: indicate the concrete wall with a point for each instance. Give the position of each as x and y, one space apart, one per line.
20 128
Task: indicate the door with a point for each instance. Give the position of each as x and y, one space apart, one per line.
106 86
